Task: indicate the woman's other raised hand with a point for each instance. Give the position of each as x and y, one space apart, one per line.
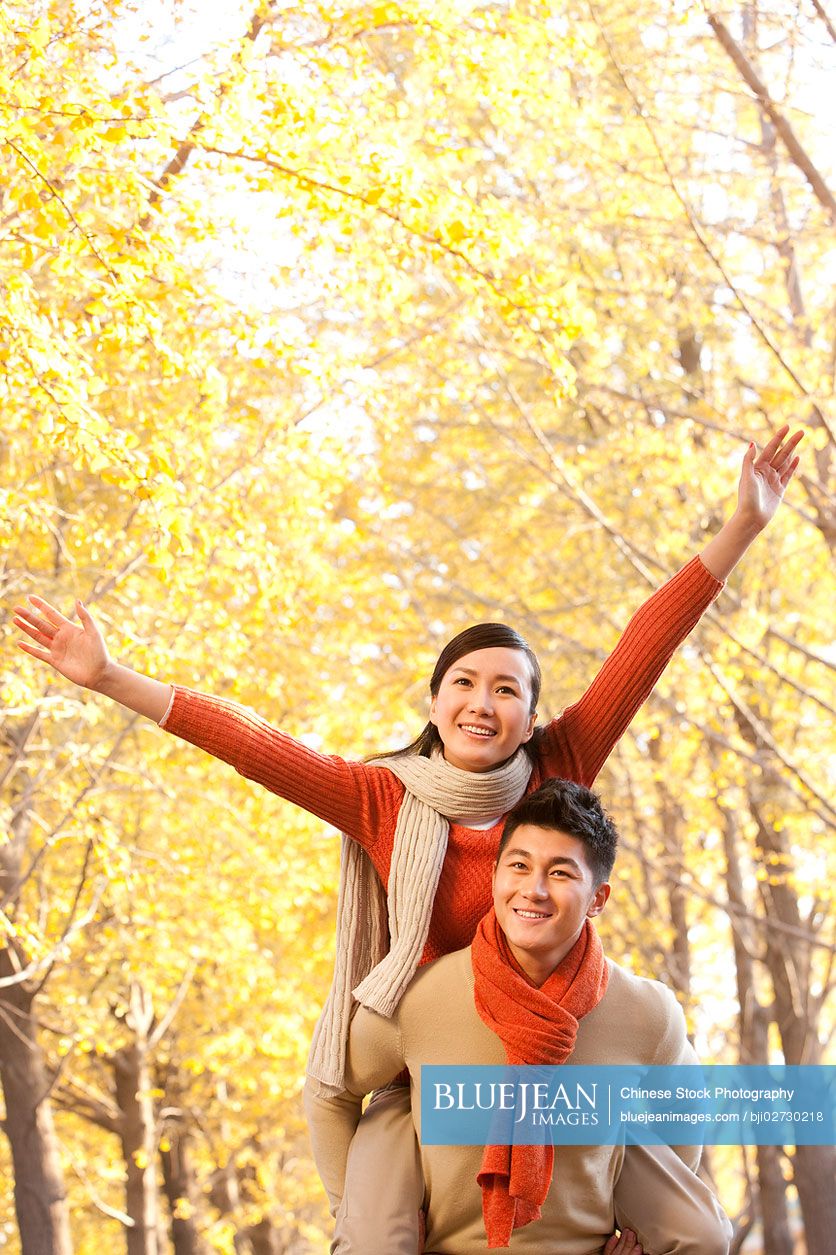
765 475
75 650
78 652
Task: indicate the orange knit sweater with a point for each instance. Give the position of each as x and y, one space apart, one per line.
363 801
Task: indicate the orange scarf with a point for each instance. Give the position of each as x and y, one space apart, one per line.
536 1026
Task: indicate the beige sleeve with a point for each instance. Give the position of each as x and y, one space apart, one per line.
669 1208
675 1049
673 1046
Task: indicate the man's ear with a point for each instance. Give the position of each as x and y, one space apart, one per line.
599 900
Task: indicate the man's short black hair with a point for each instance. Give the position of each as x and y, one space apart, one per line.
573 809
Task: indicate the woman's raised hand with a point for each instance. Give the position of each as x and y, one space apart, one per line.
78 651
763 479
75 650
765 475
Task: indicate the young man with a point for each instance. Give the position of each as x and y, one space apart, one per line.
536 988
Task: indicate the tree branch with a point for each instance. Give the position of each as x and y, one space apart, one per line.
797 152
829 27
701 237
184 150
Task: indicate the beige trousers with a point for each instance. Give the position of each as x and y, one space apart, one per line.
371 1171
372 1174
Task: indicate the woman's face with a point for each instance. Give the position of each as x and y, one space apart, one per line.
483 708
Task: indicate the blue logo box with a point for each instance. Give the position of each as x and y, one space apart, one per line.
716 1105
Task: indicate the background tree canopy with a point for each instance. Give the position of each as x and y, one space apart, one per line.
328 329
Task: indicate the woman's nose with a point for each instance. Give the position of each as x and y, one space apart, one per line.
480 699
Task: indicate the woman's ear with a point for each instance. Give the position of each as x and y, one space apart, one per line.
530 729
432 711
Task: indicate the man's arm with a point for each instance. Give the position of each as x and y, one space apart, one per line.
667 1206
658 1193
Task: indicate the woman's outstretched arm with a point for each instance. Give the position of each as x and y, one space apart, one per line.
358 800
78 652
763 479
577 744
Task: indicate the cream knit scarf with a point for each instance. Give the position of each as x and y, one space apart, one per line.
363 970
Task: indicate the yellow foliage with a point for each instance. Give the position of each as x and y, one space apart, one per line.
398 317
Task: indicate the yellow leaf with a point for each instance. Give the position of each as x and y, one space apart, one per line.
38 35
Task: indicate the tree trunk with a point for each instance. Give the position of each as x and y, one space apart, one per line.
754 1047
795 1010
814 1171
672 821
40 1202
181 1191
264 1238
138 1129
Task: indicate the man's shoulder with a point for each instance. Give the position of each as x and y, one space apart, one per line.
639 990
451 973
438 1019
439 990
637 1021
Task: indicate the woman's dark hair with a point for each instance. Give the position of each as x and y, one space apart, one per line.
480 636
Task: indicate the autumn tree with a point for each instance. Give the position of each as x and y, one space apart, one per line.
325 334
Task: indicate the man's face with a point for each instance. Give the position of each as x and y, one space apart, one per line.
543 891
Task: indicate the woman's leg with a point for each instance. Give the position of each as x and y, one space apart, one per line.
384 1184
331 1126
381 1184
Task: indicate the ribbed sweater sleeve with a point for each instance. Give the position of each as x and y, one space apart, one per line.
361 801
578 743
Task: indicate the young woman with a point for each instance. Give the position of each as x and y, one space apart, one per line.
421 826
